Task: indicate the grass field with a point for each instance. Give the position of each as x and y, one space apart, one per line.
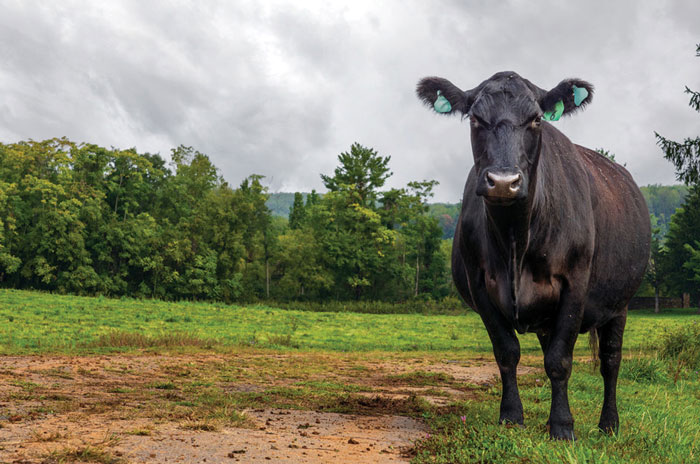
322 361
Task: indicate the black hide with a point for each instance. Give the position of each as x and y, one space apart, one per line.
553 238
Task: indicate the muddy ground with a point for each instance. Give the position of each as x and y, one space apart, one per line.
252 407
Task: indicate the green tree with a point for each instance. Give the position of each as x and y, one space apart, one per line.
312 199
362 168
684 229
653 275
685 155
297 213
421 231
8 262
257 239
299 263
353 241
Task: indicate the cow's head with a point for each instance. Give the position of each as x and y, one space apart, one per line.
505 114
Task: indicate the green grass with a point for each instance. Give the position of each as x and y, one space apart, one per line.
33 322
659 423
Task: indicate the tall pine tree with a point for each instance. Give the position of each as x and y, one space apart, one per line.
685 155
680 261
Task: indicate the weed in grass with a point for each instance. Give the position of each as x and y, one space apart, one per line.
85 454
60 373
201 425
55 397
89 373
282 340
332 386
682 346
644 369
145 432
121 390
45 437
162 385
25 385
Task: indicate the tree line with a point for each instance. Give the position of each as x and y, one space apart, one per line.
85 219
674 265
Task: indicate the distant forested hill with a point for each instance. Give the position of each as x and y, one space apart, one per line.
447 214
280 203
662 201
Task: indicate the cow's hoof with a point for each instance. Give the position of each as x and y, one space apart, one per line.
609 427
511 419
562 432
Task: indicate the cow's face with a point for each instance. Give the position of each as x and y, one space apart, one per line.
505 114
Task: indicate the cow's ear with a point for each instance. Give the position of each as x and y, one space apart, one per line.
567 97
443 96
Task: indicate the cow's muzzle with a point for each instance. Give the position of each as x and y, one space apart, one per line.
500 187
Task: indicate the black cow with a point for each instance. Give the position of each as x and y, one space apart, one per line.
553 238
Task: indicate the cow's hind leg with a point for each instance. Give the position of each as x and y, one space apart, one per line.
610 352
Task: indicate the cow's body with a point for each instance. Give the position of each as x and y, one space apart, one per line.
557 248
592 212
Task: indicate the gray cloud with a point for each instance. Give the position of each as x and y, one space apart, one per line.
281 88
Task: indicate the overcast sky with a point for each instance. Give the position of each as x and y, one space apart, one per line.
280 88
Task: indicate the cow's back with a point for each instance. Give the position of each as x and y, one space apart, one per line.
623 234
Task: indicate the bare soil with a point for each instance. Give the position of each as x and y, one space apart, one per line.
252 407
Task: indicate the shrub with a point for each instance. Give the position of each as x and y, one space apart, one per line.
682 344
644 370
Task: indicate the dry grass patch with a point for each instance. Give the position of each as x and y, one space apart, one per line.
88 453
122 339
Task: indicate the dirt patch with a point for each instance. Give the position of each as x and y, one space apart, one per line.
247 407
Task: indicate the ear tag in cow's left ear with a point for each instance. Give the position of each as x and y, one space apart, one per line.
554 115
580 94
441 105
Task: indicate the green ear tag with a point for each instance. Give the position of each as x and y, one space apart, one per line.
556 114
441 105
580 94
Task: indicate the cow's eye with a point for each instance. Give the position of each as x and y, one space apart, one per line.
535 123
477 122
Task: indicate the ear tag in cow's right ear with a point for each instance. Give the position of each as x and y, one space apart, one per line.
554 115
580 94
441 105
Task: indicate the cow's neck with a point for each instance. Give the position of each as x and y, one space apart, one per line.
510 227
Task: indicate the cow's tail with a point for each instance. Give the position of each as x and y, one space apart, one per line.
593 344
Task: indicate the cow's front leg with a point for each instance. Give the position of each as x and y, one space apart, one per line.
506 349
557 363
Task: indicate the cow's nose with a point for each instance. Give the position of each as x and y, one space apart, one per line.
503 185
